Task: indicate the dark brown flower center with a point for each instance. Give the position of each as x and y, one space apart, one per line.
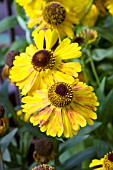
44 147
54 13
42 60
61 89
60 94
110 157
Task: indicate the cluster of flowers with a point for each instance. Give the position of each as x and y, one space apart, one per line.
53 96
55 99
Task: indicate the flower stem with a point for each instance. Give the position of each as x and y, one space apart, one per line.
1 159
93 67
56 150
84 69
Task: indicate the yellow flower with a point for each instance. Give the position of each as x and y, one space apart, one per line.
88 35
105 163
31 6
109 6
100 4
91 17
24 117
56 16
44 62
62 108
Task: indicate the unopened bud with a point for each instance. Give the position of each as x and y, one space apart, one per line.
10 56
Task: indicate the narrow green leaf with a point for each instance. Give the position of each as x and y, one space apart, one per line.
88 129
7 23
101 147
5 141
100 91
19 45
106 33
78 158
100 54
71 142
106 113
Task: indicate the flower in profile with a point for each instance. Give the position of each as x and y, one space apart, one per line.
105 163
3 125
88 35
45 62
56 16
43 151
62 108
43 167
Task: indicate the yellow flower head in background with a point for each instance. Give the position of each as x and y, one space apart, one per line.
109 6
31 6
105 163
100 5
42 62
91 17
62 108
54 15
89 36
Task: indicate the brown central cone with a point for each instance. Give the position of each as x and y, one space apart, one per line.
110 157
41 58
54 13
61 90
43 147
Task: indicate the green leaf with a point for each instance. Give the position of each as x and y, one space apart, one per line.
4 99
106 33
19 45
71 142
101 147
106 113
100 91
3 51
100 54
5 141
7 23
78 158
88 129
6 155
28 127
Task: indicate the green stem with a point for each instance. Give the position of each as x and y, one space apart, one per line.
88 9
93 67
56 149
84 69
1 158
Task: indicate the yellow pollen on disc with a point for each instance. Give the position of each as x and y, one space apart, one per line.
60 94
54 13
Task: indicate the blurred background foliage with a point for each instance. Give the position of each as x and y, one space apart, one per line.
17 144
